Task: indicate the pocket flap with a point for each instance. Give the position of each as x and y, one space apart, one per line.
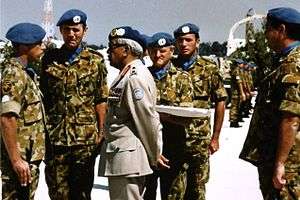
85 118
57 72
120 145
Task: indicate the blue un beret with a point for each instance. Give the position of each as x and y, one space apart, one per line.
128 33
25 33
72 16
284 14
146 39
185 29
161 40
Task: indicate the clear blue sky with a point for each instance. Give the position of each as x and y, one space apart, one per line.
214 17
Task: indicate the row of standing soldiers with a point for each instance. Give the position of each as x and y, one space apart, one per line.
242 91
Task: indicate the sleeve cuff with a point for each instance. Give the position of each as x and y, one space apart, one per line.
10 107
290 106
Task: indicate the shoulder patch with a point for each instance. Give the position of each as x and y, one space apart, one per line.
138 93
206 60
6 87
203 61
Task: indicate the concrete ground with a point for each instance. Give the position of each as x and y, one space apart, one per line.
230 177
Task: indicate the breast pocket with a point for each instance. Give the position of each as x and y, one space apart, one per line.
85 125
56 80
201 86
33 107
121 145
87 82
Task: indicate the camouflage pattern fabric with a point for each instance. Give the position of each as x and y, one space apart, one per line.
250 88
11 187
235 94
174 89
71 92
208 87
20 95
70 174
290 191
279 92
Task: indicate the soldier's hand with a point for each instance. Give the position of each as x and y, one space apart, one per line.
243 97
213 146
21 167
163 162
278 176
248 95
100 136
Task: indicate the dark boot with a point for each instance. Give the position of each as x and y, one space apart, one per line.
234 125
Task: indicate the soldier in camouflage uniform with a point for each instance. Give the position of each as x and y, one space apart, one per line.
73 81
242 73
208 87
249 91
238 94
174 88
272 144
22 123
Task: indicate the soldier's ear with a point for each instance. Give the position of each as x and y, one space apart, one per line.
85 28
126 50
282 29
172 49
198 42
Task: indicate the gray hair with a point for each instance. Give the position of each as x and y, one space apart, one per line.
135 47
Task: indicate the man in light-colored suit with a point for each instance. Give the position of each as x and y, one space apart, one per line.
133 131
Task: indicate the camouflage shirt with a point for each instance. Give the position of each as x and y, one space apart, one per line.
175 88
71 91
279 92
208 87
207 82
235 79
21 96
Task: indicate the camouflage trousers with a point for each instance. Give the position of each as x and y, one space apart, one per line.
291 191
186 182
234 108
11 188
70 172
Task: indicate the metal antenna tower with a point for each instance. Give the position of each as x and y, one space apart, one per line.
48 24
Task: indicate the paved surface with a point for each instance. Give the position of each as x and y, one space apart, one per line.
230 177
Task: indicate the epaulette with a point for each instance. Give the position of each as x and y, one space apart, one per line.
133 71
93 51
293 57
205 61
173 69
